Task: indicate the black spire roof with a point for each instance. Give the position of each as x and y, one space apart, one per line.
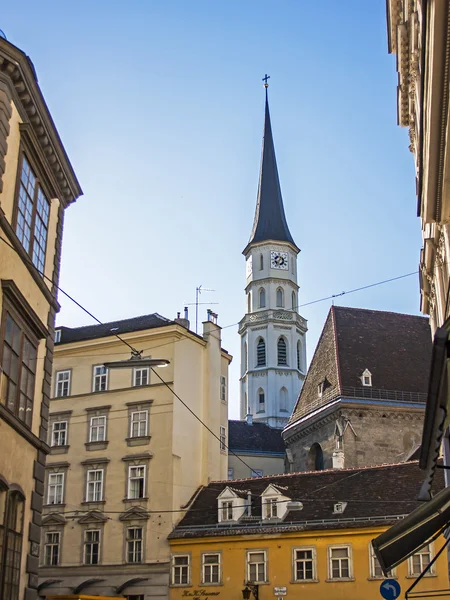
270 220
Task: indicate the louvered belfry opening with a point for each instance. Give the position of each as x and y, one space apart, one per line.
282 352
261 353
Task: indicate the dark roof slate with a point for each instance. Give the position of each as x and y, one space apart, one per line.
254 438
370 492
394 347
90 332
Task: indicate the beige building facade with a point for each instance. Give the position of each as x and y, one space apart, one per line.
37 184
419 34
126 454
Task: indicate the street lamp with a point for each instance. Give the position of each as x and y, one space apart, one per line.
137 362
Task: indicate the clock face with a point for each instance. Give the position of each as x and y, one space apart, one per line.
249 266
279 260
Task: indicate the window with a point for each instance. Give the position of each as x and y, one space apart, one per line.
262 298
55 493
245 360
261 262
375 568
92 547
52 548
139 423
257 472
12 547
19 368
256 567
282 351
261 401
62 387
100 383
141 377
136 482
261 353
94 485
299 355
227 510
418 562
366 378
320 389
315 458
304 564
33 210
223 439
97 429
230 473
280 297
283 400
211 568
181 570
339 562
59 433
3 494
294 301
223 388
271 508
57 336
134 544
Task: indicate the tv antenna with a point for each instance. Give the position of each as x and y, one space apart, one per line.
198 291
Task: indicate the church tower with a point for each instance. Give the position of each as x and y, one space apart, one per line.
273 344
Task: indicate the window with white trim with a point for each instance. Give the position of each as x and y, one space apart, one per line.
52 548
223 439
59 433
271 508
418 562
227 510
94 485
139 423
141 376
282 351
366 378
97 429
181 569
134 544
375 567
91 547
304 564
211 571
62 385
136 481
339 562
261 353
223 388
55 488
280 298
100 379
57 336
256 566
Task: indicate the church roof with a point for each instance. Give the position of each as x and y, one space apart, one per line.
374 495
257 438
395 349
270 221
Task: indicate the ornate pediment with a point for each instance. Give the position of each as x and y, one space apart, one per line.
94 516
54 519
135 513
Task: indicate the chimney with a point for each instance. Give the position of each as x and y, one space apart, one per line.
249 418
183 322
338 459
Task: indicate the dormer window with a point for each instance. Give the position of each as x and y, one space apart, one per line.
366 378
274 502
227 510
271 506
320 389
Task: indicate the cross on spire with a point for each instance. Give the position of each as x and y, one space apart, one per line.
265 78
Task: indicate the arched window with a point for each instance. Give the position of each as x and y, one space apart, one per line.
261 353
261 262
262 298
315 458
249 302
284 399
299 355
261 400
3 492
280 297
13 545
244 358
282 351
294 301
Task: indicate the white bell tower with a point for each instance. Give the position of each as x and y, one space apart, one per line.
273 334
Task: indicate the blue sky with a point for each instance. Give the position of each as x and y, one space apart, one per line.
160 106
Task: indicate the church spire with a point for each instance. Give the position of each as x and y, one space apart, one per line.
270 221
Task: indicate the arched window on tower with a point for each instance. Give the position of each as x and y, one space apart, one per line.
244 358
294 301
249 302
262 298
261 262
261 353
261 400
283 400
280 297
282 351
315 458
299 355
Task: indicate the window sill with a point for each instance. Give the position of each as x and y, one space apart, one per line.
340 580
59 449
135 500
216 584
180 585
418 575
138 440
54 505
381 578
93 503
96 445
305 581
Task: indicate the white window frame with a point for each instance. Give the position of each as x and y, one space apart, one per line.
249 563
132 468
428 549
349 557
366 375
59 393
271 508
49 544
55 487
99 376
56 434
226 506
135 376
57 336
180 569
94 492
91 543
374 563
223 439
296 560
136 544
97 427
135 419
209 567
223 388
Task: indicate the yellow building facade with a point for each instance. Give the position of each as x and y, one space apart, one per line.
37 184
